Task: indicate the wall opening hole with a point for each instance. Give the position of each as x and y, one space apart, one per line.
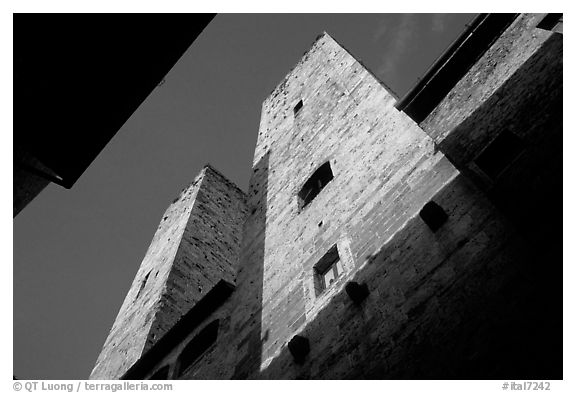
315 184
433 215
297 107
142 285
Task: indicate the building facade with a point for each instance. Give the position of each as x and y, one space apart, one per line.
380 237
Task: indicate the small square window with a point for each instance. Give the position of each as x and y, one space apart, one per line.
298 106
327 270
330 275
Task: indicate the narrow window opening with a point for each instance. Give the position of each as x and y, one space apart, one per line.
297 107
142 285
499 154
315 184
161 374
198 346
327 270
433 215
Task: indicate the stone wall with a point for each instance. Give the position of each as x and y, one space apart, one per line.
515 87
236 353
196 244
441 304
468 300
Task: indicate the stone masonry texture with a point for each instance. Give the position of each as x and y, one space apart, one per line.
458 302
196 245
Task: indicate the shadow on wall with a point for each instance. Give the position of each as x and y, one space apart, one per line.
528 105
246 333
463 302
529 190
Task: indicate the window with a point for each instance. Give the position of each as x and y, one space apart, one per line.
198 346
499 154
161 374
298 106
142 285
315 184
327 270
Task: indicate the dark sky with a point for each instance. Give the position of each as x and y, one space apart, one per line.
76 251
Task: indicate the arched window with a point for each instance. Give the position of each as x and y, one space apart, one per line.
198 346
161 374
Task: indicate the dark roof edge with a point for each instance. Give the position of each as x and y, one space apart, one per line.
445 58
440 62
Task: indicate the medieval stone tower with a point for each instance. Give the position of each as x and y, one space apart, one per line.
195 247
380 237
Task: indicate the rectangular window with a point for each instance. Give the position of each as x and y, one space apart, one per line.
332 273
327 270
499 154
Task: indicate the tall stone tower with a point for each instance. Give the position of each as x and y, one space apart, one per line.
368 249
362 236
196 245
